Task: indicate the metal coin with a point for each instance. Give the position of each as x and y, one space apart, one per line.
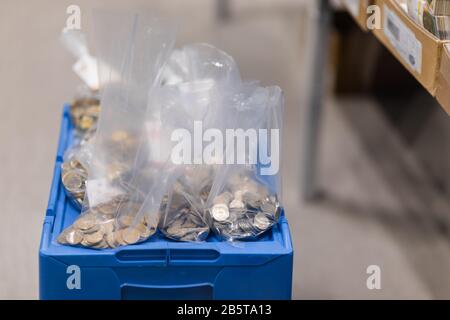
73 181
85 222
65 166
94 238
118 237
74 237
108 208
262 221
126 220
86 122
237 204
131 235
220 212
110 239
108 227
74 163
268 207
147 233
96 227
245 225
62 237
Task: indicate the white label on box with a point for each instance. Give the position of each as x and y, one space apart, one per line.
101 191
403 40
353 7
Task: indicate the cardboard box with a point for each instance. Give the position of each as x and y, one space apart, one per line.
416 48
443 80
358 10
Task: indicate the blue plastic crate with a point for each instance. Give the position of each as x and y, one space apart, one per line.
159 268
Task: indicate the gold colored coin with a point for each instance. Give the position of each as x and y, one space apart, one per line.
62 237
108 208
75 164
147 232
72 181
142 228
85 222
65 166
94 238
126 220
108 227
86 122
74 237
111 240
101 245
118 237
131 235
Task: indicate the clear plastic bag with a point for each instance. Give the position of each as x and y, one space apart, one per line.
74 172
123 189
86 66
184 217
201 61
244 201
192 98
84 113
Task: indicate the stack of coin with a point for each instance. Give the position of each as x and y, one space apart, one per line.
85 113
73 176
186 225
101 227
183 209
244 224
244 211
184 214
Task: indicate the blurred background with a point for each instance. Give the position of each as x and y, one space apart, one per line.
380 192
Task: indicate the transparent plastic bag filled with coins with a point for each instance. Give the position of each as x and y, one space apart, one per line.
183 209
123 190
245 199
196 78
84 111
186 109
74 172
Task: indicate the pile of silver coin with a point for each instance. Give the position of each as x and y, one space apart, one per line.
183 216
244 211
187 225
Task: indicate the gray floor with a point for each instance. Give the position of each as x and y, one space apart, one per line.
362 220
